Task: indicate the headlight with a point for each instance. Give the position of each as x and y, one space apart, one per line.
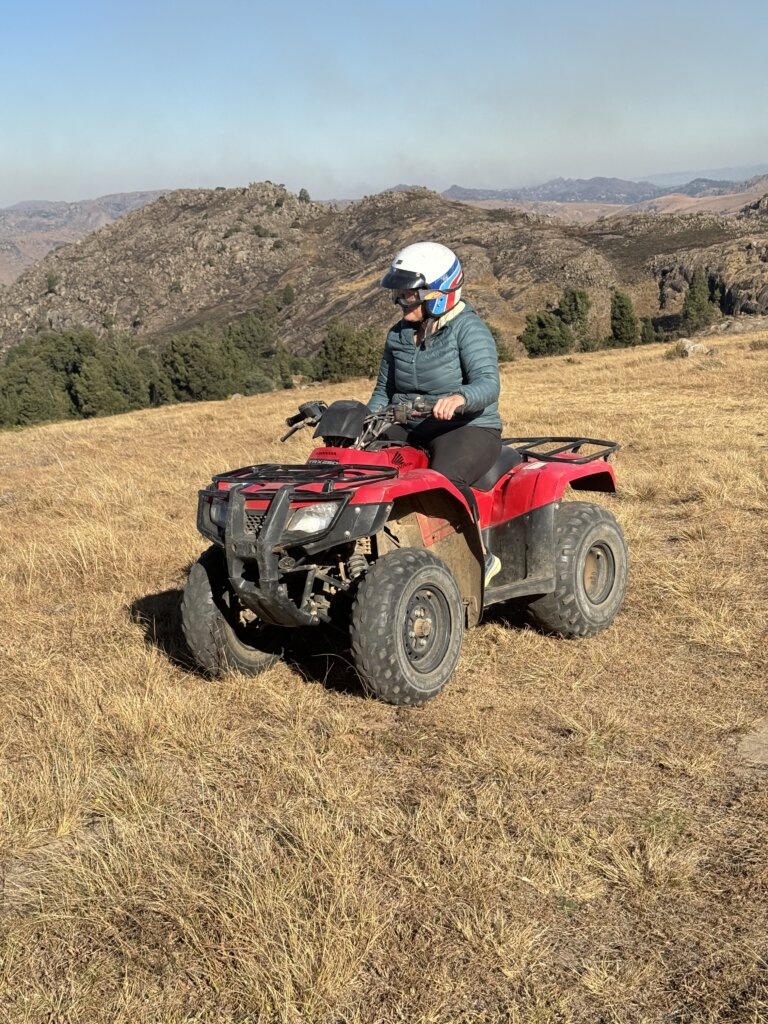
219 512
312 518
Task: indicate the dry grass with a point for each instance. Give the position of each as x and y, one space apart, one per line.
565 835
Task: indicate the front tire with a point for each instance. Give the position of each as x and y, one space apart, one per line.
213 624
591 566
407 627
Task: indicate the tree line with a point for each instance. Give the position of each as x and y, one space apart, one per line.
568 328
74 374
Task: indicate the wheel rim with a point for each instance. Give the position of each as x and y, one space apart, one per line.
426 629
599 573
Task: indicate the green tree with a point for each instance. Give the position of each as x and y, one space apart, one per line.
545 334
624 326
199 367
348 352
647 333
303 196
57 375
288 295
32 391
574 307
698 311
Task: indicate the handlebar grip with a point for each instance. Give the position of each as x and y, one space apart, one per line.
289 433
423 406
296 418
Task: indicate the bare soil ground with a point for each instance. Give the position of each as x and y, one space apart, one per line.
568 834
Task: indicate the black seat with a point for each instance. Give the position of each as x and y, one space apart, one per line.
508 459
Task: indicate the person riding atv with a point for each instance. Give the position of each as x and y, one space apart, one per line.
440 351
384 532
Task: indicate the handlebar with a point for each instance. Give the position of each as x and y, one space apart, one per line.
419 409
310 413
308 416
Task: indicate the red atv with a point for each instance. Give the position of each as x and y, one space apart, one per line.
366 534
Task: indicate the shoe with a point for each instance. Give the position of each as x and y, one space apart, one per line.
492 566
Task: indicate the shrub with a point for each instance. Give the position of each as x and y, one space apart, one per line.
545 334
303 196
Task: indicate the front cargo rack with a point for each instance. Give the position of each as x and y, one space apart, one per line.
275 476
567 449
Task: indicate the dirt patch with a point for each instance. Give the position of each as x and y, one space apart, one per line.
753 747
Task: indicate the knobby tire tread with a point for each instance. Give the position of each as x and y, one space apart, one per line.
560 612
374 635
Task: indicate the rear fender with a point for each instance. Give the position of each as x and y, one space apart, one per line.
555 477
440 522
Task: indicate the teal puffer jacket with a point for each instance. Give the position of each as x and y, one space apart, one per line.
458 359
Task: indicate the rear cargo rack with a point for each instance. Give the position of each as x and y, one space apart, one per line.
567 449
273 477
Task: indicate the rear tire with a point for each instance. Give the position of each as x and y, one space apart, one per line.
591 566
211 618
407 627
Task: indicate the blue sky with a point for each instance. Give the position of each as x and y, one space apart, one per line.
349 98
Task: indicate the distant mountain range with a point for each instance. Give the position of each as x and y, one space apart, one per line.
668 179
29 230
596 190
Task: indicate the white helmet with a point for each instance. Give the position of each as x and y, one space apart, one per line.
431 269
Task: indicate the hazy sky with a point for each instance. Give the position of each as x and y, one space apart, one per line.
349 98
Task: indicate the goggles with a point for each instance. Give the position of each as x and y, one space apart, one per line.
408 298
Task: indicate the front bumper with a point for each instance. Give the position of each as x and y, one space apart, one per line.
255 543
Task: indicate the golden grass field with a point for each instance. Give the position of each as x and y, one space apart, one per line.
570 833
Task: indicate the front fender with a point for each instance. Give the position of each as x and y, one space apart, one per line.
440 521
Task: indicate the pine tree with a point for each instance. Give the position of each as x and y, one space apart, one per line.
574 307
624 326
647 333
698 311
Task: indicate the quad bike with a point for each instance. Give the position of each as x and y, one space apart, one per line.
367 535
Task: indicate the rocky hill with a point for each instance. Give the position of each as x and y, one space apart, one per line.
28 231
210 255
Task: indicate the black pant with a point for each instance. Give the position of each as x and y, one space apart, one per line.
461 452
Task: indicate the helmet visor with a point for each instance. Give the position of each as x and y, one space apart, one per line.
402 280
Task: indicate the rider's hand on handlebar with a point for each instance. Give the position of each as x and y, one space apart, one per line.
444 408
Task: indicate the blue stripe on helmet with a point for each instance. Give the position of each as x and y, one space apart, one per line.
441 282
